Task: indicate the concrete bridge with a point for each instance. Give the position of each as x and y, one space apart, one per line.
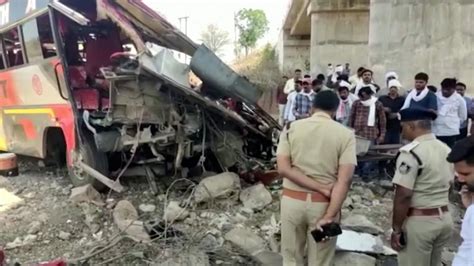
406 36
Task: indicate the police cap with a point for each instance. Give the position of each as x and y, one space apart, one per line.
415 114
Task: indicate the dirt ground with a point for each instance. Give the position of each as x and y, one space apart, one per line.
46 226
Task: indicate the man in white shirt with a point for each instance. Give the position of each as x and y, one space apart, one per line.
462 156
452 112
290 84
289 115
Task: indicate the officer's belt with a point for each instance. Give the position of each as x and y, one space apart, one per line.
427 212
303 196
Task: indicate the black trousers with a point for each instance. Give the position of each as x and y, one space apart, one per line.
449 140
462 133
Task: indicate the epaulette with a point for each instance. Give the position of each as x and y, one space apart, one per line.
410 146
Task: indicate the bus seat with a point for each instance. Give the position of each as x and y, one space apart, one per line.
78 77
87 99
98 51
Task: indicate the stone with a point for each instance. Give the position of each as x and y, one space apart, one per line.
14 244
256 197
29 239
347 203
363 243
34 227
217 186
126 218
268 258
9 200
64 235
360 223
447 257
246 240
239 218
86 193
174 212
353 259
147 207
356 198
209 243
386 184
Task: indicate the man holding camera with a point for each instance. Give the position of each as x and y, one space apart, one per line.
316 156
462 156
421 221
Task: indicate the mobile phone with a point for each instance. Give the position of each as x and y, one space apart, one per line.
329 230
403 239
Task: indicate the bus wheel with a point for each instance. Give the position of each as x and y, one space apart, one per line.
88 154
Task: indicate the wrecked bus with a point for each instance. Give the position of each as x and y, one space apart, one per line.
94 84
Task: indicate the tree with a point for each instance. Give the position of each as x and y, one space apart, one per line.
252 25
214 38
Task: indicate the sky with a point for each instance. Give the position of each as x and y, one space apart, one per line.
220 12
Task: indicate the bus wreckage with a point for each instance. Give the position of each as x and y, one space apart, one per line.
122 105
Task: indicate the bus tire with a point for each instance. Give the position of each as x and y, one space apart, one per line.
88 154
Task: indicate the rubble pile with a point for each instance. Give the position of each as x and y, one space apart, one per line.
218 220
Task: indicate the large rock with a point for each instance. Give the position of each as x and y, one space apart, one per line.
364 243
174 212
147 207
360 223
353 259
126 218
86 193
246 240
217 186
268 258
256 197
9 200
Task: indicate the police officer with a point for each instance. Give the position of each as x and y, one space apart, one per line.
316 156
421 221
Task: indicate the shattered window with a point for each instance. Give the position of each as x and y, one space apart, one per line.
38 39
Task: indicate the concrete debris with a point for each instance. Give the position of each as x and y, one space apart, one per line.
362 242
246 240
147 207
9 200
353 259
86 193
347 203
15 244
210 243
29 239
268 258
126 218
174 212
256 197
360 223
447 257
386 184
64 235
34 227
217 186
356 199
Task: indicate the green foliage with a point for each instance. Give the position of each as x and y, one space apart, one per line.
252 25
215 38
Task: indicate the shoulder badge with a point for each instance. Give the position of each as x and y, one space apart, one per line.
404 168
410 146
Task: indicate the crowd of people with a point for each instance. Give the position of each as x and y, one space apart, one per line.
317 157
372 111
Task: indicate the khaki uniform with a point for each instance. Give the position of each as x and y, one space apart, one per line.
426 235
317 146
